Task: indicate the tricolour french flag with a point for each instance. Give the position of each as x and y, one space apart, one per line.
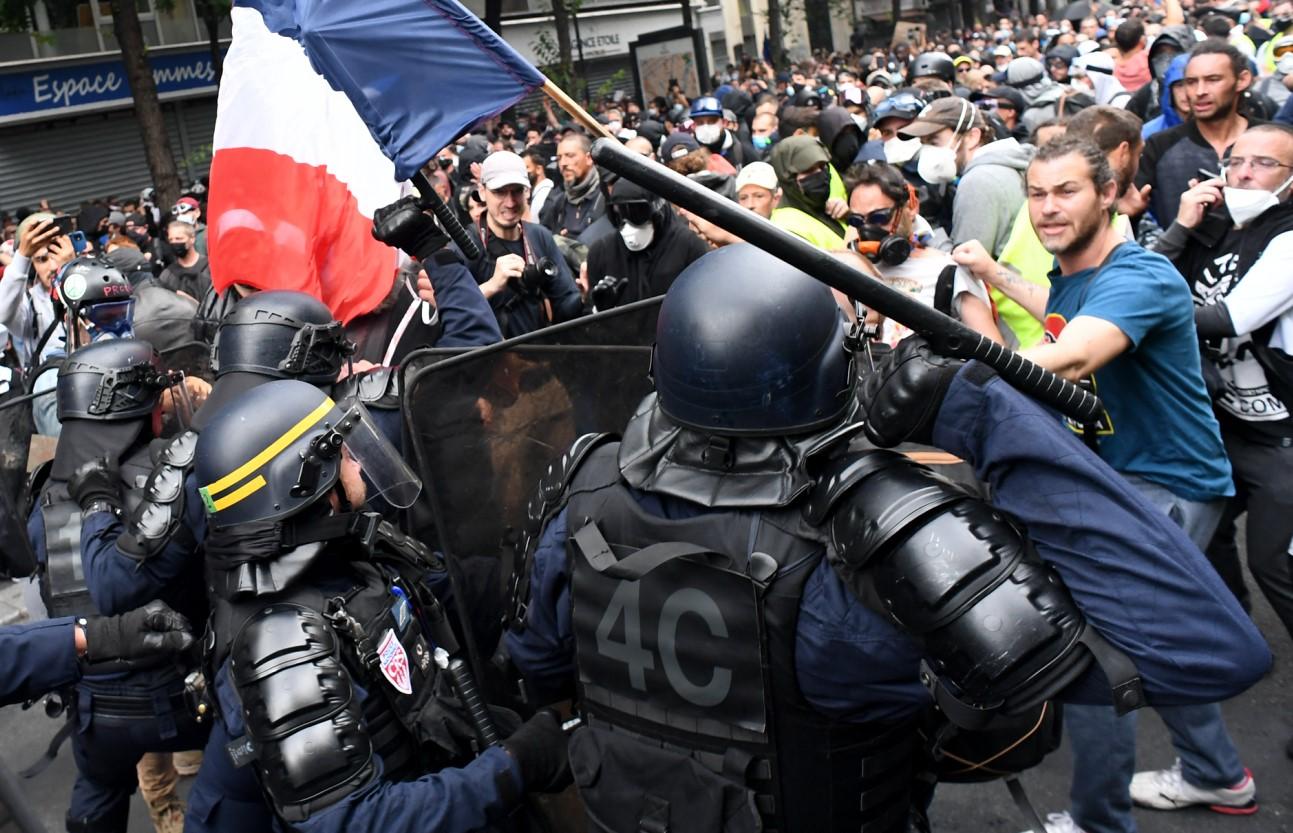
325 107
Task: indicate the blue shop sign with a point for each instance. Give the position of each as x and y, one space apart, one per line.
63 90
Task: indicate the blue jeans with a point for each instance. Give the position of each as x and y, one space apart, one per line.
1104 745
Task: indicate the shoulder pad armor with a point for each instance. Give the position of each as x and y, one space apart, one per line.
376 388
548 501
999 626
304 720
159 516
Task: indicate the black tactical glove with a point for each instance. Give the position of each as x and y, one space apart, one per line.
540 749
96 482
149 632
904 392
404 225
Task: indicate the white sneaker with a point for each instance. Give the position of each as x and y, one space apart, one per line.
1167 789
1059 823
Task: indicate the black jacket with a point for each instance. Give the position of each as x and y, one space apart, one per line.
651 271
519 313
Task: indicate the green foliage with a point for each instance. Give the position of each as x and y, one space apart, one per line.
608 86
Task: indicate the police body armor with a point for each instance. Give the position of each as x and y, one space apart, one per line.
686 656
62 581
685 628
299 655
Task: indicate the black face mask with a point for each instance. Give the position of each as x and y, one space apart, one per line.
1282 23
179 249
817 187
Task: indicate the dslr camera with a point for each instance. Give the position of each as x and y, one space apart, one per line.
532 278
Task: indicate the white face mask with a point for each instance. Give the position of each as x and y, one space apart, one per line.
614 127
637 238
709 134
1247 204
937 165
901 151
1285 65
862 123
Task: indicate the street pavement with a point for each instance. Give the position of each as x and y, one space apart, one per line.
1260 721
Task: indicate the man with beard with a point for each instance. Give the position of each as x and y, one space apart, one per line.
1215 78
1018 277
582 203
1123 316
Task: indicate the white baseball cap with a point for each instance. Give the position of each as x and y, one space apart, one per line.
757 173
503 168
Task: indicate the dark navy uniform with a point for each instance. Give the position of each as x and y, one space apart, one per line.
106 392
37 657
329 639
742 600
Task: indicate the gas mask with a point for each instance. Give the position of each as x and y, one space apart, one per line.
876 238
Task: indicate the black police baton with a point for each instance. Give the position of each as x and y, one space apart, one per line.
430 199
947 336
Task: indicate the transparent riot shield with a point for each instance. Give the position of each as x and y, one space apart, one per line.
482 426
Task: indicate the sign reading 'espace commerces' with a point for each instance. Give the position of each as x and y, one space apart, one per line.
44 91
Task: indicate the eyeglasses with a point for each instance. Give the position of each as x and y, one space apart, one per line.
1261 163
879 217
181 208
1281 51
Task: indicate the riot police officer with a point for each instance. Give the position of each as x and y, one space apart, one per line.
742 600
42 656
333 650
107 393
269 335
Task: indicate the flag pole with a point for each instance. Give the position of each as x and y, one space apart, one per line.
572 107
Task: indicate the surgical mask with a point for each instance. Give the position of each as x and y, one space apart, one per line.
179 249
189 218
637 238
614 127
901 151
860 120
817 187
763 142
1284 66
709 134
1247 204
937 165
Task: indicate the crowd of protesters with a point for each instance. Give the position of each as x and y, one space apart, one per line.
1106 192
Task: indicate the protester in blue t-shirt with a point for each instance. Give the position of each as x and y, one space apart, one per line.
1123 318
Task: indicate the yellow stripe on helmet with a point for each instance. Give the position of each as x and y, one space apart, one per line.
249 488
270 452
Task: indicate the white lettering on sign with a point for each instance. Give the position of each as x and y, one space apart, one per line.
61 91
65 92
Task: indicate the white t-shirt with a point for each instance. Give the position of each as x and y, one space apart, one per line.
1265 294
918 276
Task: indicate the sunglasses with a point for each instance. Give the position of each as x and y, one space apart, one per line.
637 213
880 217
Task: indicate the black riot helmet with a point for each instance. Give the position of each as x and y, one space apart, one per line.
932 65
748 345
278 449
97 295
110 380
281 334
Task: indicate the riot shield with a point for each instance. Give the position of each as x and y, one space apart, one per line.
482 426
16 428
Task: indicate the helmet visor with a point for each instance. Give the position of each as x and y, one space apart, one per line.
111 317
385 473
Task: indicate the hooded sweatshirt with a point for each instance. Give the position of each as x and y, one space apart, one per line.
796 213
1145 101
1168 117
989 194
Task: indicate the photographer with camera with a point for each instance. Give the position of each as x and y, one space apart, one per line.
650 248
522 272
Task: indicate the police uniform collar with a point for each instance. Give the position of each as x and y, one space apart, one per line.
658 455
